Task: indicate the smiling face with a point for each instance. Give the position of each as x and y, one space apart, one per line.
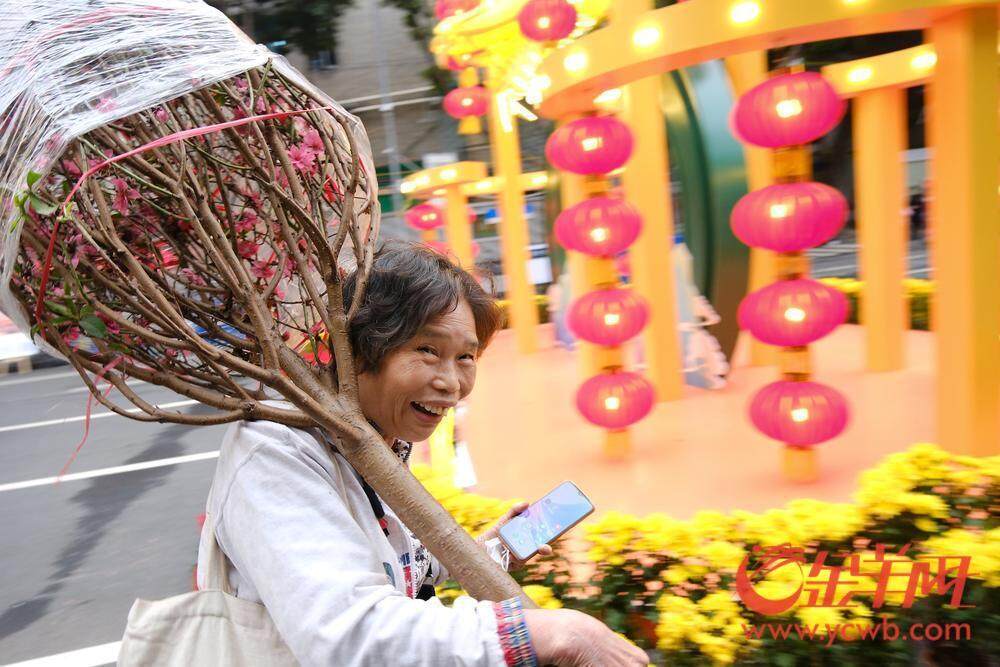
416 383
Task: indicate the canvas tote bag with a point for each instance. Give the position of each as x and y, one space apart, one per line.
211 627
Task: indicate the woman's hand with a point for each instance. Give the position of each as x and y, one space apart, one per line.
564 637
492 531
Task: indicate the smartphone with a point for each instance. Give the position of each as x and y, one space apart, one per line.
544 520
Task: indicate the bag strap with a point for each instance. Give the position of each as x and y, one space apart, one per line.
216 567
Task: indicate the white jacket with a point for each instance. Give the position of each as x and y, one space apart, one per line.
303 540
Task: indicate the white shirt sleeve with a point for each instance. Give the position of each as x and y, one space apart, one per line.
288 531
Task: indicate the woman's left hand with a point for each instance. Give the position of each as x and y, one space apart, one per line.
492 531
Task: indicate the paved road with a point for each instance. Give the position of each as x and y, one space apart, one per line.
76 555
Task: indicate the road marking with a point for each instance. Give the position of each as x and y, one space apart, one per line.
38 378
84 657
116 470
80 418
77 390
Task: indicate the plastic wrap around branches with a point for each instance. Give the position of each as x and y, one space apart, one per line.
69 68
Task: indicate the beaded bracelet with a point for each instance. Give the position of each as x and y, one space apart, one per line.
513 631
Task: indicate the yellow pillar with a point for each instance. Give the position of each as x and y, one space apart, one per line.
428 235
467 78
513 227
458 231
879 141
572 190
965 134
646 181
746 70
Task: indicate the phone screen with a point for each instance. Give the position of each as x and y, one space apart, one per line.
545 520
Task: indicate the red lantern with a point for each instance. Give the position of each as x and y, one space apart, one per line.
789 217
799 413
547 20
615 400
445 8
788 110
790 313
592 145
424 217
608 317
443 248
440 247
600 226
471 212
465 102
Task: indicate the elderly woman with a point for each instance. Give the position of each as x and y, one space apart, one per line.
345 582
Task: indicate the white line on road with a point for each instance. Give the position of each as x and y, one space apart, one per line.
80 418
77 390
38 378
116 470
84 657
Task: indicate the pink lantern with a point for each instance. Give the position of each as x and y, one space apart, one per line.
790 313
615 400
789 217
608 316
443 248
440 247
799 413
547 20
787 110
424 217
445 8
599 226
471 212
453 65
468 101
592 145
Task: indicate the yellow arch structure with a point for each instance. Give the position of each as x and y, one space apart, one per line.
963 130
683 34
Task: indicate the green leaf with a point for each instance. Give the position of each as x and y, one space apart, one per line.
41 208
93 326
33 177
59 309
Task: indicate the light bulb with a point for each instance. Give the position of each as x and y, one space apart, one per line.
794 314
612 403
612 319
646 36
744 12
599 234
544 22
860 74
575 62
591 143
788 108
800 415
779 210
924 60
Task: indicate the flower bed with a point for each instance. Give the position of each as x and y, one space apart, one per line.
669 585
918 295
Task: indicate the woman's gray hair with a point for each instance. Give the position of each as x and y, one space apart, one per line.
410 285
